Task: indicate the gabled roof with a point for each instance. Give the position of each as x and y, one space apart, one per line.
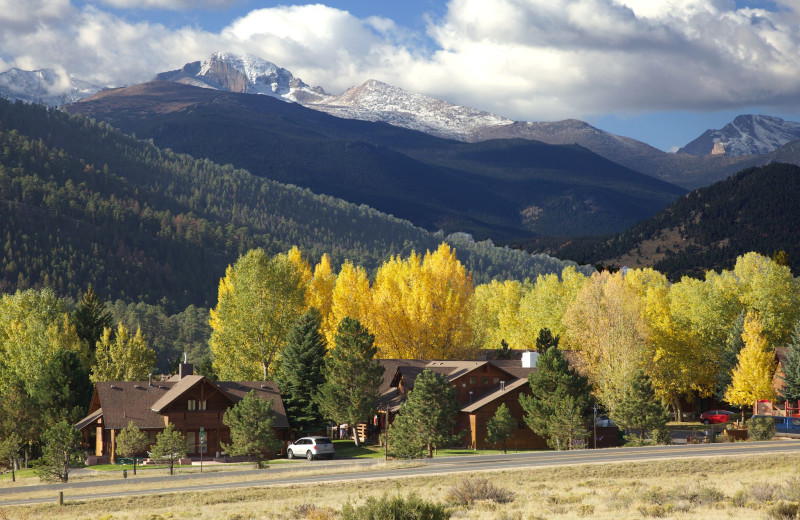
120 402
480 403
177 390
266 390
390 371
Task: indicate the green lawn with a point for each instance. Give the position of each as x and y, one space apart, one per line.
347 449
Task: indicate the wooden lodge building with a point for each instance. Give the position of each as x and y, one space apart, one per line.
481 387
193 403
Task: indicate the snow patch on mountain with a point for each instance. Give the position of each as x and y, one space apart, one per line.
45 86
745 135
377 101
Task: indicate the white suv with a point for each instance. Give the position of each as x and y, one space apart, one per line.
310 448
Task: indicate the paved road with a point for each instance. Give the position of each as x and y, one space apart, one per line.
440 466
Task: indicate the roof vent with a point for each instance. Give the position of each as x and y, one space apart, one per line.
115 387
140 387
264 386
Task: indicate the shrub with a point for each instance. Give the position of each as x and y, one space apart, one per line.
653 510
784 510
471 490
791 490
397 508
739 499
312 512
662 436
586 510
761 428
762 492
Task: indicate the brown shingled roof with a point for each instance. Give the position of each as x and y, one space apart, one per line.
480 403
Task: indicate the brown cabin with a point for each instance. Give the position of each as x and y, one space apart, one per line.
191 402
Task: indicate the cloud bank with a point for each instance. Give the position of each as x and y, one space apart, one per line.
525 59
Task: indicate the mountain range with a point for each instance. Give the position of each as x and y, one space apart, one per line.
708 228
503 189
746 142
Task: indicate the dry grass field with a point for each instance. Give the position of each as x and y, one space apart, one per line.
698 489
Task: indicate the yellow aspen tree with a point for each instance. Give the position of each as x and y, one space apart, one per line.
351 297
752 378
421 306
494 311
320 292
295 256
259 299
605 323
544 305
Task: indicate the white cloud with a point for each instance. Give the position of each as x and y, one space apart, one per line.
527 59
177 5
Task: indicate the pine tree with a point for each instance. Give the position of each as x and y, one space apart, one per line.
427 417
131 442
554 386
9 453
352 376
500 427
300 372
170 446
791 370
640 409
251 422
729 357
61 451
545 340
90 318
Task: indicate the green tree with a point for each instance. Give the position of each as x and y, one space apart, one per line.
120 357
18 416
63 389
500 427
91 317
352 376
567 424
9 453
131 442
426 419
639 409
259 299
61 451
558 393
299 374
170 446
729 356
791 370
251 422
545 340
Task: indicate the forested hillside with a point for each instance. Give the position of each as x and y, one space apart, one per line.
507 188
754 210
81 203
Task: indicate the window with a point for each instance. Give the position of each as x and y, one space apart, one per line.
202 404
496 380
485 380
191 442
192 404
473 380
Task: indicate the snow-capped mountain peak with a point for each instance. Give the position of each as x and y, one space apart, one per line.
244 74
377 101
45 86
745 135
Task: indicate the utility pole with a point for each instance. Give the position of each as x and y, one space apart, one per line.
386 440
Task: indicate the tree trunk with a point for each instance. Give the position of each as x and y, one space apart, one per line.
13 463
356 440
676 406
430 451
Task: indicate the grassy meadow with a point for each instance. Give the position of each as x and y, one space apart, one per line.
697 489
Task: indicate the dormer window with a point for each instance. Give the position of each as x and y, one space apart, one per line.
192 404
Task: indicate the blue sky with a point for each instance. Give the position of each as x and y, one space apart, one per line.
659 71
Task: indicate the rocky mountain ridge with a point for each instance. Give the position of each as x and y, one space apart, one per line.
45 86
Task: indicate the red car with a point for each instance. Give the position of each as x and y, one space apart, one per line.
716 416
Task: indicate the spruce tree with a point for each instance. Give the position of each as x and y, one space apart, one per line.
352 376
554 386
131 442
427 417
251 422
91 317
546 340
791 370
729 357
639 409
500 426
300 372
